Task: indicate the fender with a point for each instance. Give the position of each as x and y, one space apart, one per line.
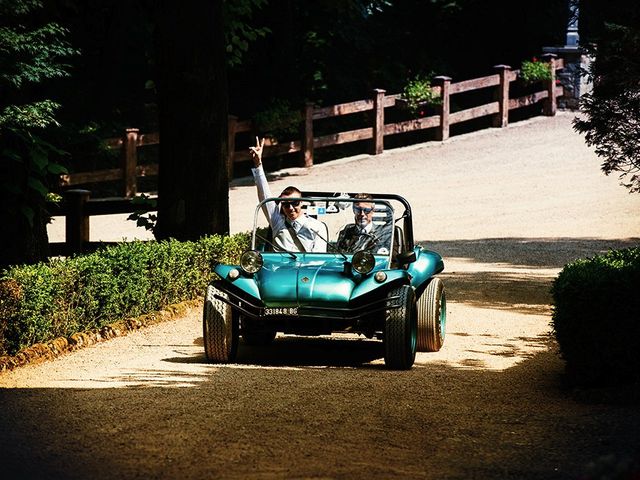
246 284
369 284
427 264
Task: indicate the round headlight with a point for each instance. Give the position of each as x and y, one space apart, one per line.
363 262
251 261
234 273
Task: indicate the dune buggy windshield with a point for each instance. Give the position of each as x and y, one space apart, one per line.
331 225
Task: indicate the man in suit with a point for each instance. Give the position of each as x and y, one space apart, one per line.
293 230
364 234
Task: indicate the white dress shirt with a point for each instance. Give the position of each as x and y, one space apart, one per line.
310 232
366 229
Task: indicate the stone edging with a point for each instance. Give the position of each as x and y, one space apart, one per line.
41 352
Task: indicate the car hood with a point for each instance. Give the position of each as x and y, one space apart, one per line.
305 282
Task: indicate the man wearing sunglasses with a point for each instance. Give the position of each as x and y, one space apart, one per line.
364 234
292 229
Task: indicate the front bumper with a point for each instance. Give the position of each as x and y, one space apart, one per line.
252 308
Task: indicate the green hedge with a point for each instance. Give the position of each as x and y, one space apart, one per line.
596 318
62 297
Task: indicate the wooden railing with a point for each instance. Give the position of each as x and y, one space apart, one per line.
77 207
443 87
376 132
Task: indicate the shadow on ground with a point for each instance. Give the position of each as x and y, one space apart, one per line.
300 409
301 352
526 252
514 273
503 291
318 422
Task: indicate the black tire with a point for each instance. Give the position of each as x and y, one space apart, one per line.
432 317
220 328
255 337
401 330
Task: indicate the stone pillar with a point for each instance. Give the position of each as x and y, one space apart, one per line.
573 77
573 37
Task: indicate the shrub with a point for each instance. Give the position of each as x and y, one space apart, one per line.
533 71
596 317
61 297
418 92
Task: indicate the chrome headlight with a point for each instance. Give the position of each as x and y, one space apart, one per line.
363 262
251 261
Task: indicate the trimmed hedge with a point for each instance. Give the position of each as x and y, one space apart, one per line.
596 318
61 297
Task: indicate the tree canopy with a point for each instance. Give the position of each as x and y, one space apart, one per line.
32 53
325 52
279 55
611 121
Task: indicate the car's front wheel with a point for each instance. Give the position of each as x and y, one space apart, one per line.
432 317
220 328
401 329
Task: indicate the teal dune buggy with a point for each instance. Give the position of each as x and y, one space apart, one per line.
385 288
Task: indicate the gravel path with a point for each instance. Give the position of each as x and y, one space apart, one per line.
506 208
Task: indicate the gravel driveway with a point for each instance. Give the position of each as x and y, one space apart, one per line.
507 208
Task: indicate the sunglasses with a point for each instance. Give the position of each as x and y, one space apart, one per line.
294 204
365 210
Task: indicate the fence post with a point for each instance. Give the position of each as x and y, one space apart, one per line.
378 121
231 144
307 135
130 161
77 221
501 119
444 83
549 108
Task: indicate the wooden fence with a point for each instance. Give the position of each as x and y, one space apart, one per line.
498 110
78 207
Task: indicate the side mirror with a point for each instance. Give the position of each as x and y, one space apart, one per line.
405 258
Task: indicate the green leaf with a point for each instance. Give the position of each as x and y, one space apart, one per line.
40 159
56 168
37 185
54 197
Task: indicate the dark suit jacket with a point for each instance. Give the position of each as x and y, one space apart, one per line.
377 241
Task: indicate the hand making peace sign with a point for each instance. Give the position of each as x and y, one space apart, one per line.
256 152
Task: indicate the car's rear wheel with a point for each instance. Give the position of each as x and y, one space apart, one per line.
255 336
432 317
401 330
220 328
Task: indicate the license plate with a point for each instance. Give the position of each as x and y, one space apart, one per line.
281 311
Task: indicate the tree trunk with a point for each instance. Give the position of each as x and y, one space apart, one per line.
21 243
193 187
23 214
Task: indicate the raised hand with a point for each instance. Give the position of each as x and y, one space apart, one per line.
256 152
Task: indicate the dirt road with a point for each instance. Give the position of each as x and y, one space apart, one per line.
506 208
